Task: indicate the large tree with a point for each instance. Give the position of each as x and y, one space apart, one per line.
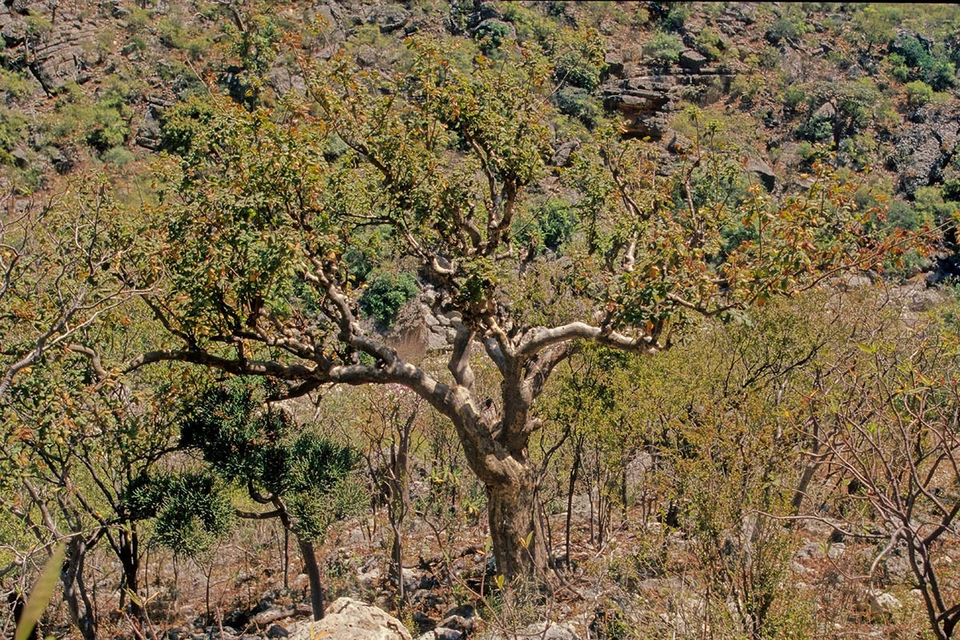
269 216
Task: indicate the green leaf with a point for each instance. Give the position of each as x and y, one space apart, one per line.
42 593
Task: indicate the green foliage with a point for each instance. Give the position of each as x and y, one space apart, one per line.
664 48
13 126
191 510
552 226
385 294
817 129
578 59
580 104
793 97
709 44
920 63
676 16
919 93
248 444
902 216
14 86
491 34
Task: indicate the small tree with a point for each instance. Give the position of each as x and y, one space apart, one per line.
303 476
887 424
257 221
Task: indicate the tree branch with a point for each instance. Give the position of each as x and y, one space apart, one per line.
541 338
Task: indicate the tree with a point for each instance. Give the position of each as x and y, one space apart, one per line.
256 222
58 261
304 477
886 424
74 445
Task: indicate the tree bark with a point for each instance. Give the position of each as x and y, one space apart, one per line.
518 540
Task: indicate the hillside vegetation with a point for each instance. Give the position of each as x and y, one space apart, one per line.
513 319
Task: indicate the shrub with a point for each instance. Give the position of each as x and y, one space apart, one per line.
552 226
118 157
580 104
491 34
898 67
385 295
793 97
941 75
675 18
578 60
816 129
918 93
664 48
709 44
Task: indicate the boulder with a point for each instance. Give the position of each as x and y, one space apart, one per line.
764 172
882 605
349 619
693 60
390 17
561 156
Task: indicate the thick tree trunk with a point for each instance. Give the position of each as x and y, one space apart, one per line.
518 540
313 573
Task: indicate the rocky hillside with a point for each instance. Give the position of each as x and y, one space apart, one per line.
85 84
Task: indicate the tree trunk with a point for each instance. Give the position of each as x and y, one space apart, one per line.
313 572
518 541
572 486
130 562
74 591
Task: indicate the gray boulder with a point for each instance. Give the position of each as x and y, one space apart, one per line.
349 619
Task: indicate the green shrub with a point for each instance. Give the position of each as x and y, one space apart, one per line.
675 18
118 157
793 97
898 67
14 86
816 129
902 216
941 75
579 61
782 29
709 44
552 226
919 63
385 294
491 34
13 126
580 104
664 48
918 93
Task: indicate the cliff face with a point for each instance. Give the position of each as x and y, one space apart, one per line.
84 84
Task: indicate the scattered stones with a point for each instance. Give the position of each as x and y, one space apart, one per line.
540 631
443 633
